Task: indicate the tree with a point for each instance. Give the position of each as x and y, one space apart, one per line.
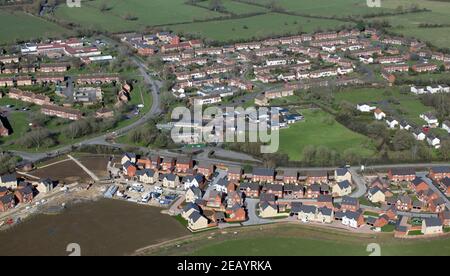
445 150
216 5
403 140
309 154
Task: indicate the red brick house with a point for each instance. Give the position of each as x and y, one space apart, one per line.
317 177
251 190
350 204
401 174
236 214
263 175
156 162
168 164
274 189
290 177
291 191
325 201
144 163
7 202
129 169
445 184
205 168
313 191
24 195
439 173
184 165
234 173
381 221
418 184
403 203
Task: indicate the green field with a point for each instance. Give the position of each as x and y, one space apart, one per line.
21 26
237 8
405 105
260 26
317 131
146 13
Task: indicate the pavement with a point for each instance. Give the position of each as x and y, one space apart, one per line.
253 219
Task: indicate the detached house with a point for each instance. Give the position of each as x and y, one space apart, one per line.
7 202
192 194
342 188
9 181
391 122
418 184
431 226
376 195
24 195
197 221
147 176
267 210
379 114
350 218
434 141
170 180
342 174
419 134
193 181
365 107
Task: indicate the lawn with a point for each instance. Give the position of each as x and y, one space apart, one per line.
19 123
405 105
319 130
21 26
146 13
255 27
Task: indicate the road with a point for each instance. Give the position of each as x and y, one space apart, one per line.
154 111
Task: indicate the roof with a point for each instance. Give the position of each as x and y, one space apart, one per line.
432 222
317 174
403 171
325 211
195 216
374 190
274 187
341 171
6 199
263 172
251 186
344 184
352 215
196 191
441 169
325 198
264 205
309 209
147 172
191 206
266 197
417 181
349 201
8 178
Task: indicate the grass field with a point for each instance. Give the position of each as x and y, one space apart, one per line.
147 13
407 106
21 26
237 8
256 27
302 240
316 131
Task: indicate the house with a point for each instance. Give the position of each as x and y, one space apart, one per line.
350 218
61 112
431 226
215 199
263 175
445 218
306 213
418 184
7 202
342 188
419 90
170 180
290 177
234 173
251 190
446 126
365 107
193 181
405 125
317 177
45 185
349 204
419 134
445 184
434 141
236 213
197 221
184 164
313 191
271 198
233 198
401 174
391 122
430 118
324 215
9 181
221 185
274 189
403 203
189 209
129 169
292 191
205 168
128 157
24 195
381 221
376 195
342 174
267 210
325 201
437 205
192 194
168 164
147 176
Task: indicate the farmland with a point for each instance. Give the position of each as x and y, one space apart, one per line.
320 129
256 27
132 15
237 8
21 26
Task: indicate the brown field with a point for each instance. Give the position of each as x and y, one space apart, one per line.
95 163
66 171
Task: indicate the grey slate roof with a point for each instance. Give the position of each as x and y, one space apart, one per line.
263 172
431 222
349 201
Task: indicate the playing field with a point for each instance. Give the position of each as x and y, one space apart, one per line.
21 26
320 129
111 15
260 26
390 100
